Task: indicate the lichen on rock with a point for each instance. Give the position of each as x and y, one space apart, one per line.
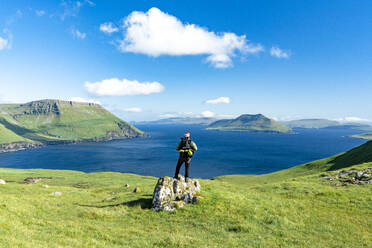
171 193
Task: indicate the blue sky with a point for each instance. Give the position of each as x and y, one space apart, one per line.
145 60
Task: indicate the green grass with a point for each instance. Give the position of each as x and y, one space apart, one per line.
7 136
54 120
290 208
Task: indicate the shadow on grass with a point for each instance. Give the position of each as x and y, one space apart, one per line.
144 203
358 155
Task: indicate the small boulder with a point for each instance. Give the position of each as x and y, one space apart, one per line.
56 193
2 181
45 186
137 190
171 193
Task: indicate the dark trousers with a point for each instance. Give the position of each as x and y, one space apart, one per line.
184 158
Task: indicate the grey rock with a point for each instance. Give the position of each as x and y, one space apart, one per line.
170 193
359 174
326 178
56 193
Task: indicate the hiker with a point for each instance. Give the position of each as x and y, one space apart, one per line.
186 148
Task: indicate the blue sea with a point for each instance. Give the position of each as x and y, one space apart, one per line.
220 153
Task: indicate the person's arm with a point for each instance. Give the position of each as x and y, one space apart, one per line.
193 146
178 146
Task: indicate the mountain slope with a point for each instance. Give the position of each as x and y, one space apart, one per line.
53 121
250 123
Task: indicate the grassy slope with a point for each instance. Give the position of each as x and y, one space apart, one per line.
7 136
291 208
255 123
78 121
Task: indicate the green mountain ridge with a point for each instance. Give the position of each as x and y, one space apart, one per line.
56 121
249 123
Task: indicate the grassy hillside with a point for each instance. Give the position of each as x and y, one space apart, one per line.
8 136
54 120
291 208
250 123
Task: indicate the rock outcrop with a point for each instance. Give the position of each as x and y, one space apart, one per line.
170 193
17 146
353 176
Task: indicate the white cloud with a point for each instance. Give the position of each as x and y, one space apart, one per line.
80 35
108 28
39 12
156 33
124 87
222 99
4 43
353 119
208 114
133 110
72 8
168 115
279 53
79 99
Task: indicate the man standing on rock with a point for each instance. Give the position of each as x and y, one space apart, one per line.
186 147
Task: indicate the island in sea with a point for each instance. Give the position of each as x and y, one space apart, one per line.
46 122
325 123
250 123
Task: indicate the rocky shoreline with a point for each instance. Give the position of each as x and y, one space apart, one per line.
19 146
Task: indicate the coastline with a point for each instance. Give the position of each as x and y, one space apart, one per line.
19 146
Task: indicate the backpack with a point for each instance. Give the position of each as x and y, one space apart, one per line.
185 144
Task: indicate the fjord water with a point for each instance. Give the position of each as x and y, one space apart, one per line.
220 153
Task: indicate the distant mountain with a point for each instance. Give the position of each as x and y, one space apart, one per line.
310 123
324 123
250 123
54 121
355 126
182 120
